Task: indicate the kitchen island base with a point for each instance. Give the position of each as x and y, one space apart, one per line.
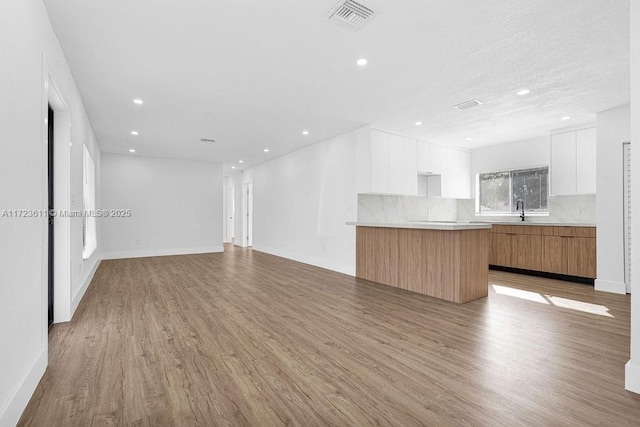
447 264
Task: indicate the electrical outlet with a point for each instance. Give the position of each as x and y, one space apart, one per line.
137 241
581 210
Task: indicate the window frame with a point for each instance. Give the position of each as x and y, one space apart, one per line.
511 212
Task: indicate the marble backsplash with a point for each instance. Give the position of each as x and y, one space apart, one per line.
578 209
387 208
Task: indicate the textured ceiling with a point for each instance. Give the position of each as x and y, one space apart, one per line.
255 74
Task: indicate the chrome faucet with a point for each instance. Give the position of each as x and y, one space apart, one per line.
518 203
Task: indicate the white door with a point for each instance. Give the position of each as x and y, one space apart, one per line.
627 214
231 213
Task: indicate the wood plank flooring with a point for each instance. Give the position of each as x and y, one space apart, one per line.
246 338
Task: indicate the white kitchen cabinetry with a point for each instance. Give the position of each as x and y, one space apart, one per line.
586 161
379 162
410 169
423 156
438 159
393 164
573 162
456 181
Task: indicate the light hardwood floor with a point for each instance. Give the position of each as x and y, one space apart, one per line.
246 338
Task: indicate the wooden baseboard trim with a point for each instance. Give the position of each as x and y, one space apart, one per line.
565 277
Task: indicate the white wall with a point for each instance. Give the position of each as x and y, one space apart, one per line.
513 155
176 206
29 56
632 373
613 130
302 201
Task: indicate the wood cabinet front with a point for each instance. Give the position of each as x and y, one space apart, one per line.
553 249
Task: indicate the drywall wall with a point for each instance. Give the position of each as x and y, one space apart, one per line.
614 128
632 370
301 202
33 67
512 155
176 206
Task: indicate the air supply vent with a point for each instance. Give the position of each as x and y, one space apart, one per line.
467 104
207 140
350 14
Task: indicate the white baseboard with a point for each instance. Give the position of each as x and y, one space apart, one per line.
632 376
311 260
12 409
610 286
75 301
162 252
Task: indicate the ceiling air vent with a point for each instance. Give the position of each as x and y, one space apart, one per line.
467 104
349 14
207 140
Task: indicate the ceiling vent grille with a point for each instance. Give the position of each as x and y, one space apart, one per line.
467 104
207 140
350 14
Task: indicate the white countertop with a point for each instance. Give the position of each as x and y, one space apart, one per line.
462 225
548 224
427 225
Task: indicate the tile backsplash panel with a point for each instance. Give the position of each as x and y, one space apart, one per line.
389 208
579 209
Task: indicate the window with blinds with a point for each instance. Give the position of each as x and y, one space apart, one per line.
499 192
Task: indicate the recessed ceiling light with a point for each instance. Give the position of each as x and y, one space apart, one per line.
133 132
468 139
138 101
418 123
523 92
240 161
266 150
132 151
565 118
305 132
233 167
362 62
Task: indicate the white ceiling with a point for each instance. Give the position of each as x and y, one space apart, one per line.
254 74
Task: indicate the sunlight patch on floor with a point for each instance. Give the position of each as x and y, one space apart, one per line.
585 307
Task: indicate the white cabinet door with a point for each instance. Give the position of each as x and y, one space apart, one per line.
450 176
423 156
464 169
437 159
396 164
586 161
563 163
379 162
410 167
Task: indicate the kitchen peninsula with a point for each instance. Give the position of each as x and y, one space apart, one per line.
446 260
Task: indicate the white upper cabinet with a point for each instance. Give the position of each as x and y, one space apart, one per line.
573 162
586 161
437 159
391 164
423 156
379 162
397 164
456 181
410 166
563 163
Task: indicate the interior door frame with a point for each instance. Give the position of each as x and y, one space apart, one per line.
62 201
247 217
